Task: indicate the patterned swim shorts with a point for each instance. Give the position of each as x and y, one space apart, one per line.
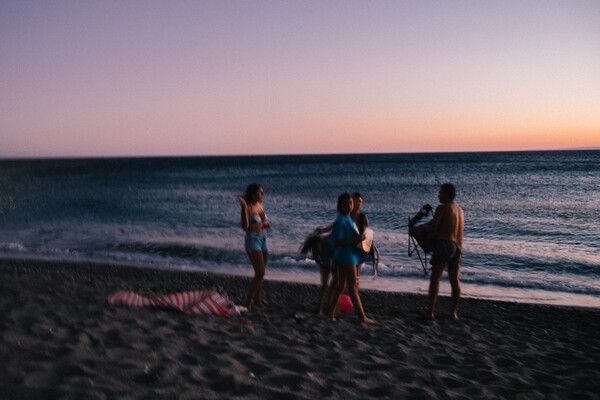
447 253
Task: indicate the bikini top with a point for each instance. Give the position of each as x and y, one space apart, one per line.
254 218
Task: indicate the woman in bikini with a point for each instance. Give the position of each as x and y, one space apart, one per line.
255 223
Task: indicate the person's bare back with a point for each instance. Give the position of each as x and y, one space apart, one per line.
449 222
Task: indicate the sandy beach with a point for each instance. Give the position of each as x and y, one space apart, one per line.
62 340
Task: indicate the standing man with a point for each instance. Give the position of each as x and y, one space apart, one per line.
448 222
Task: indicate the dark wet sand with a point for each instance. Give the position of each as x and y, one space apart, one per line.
60 339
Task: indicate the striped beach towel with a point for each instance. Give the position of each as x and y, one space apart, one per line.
190 302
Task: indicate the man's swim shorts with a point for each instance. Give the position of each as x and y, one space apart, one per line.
447 253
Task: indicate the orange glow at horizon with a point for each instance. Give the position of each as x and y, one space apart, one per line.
291 77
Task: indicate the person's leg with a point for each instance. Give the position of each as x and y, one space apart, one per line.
434 288
258 263
324 286
324 269
455 284
258 300
353 284
333 286
338 288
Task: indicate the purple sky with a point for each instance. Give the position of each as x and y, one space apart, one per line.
117 78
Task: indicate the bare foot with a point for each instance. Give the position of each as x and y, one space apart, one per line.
454 315
331 319
368 320
429 315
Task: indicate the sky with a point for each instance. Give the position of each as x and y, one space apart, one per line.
161 78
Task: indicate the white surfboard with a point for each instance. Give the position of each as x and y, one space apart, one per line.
366 244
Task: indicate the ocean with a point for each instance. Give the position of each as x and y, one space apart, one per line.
532 231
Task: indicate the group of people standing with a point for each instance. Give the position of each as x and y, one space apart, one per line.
339 255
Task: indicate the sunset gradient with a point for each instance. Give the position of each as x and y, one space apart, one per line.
128 78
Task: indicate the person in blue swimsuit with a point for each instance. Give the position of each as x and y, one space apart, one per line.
346 257
255 223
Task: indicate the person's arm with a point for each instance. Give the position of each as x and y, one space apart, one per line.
365 221
321 231
266 224
346 242
339 242
435 223
245 223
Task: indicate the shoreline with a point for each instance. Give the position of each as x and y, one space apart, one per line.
394 285
62 340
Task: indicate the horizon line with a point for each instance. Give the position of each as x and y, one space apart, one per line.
84 157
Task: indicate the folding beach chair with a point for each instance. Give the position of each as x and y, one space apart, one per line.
421 236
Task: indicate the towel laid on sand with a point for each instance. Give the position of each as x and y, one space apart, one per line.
190 302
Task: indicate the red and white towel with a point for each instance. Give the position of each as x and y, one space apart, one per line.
191 302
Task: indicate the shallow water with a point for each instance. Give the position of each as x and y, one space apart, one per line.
531 230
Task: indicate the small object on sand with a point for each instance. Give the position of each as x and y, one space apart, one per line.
298 317
346 305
